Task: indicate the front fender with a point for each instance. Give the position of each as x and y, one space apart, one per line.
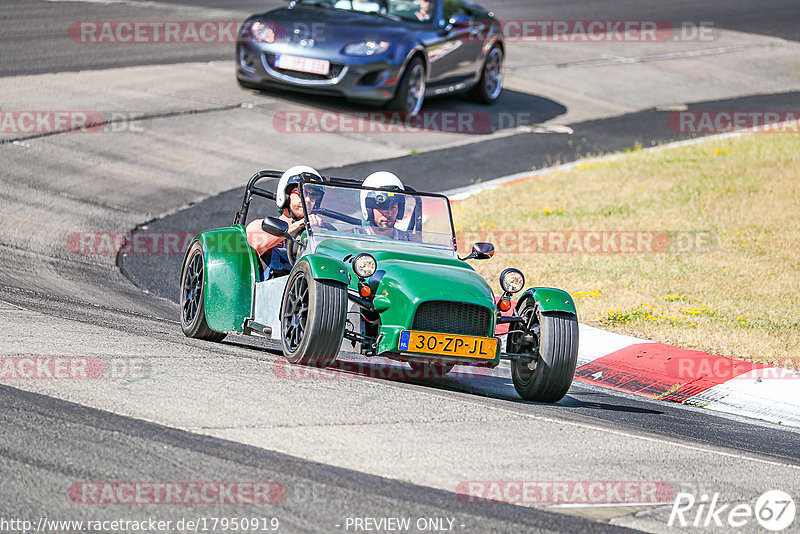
326 268
550 299
409 51
231 270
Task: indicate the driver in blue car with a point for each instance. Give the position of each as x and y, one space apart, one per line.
380 210
423 14
271 252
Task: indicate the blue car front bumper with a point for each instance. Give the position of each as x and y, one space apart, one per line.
366 79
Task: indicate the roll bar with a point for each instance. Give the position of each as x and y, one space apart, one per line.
251 190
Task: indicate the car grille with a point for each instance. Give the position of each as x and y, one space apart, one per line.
335 71
453 318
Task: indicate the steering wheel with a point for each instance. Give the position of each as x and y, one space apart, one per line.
293 249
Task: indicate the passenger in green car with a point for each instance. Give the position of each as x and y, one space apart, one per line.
381 209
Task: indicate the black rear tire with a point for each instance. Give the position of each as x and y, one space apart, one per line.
192 297
313 316
431 369
557 338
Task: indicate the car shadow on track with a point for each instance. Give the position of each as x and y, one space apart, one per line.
476 381
502 388
571 401
452 114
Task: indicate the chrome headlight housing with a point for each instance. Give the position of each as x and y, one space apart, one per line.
512 280
366 48
364 265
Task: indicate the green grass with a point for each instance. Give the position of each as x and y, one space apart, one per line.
730 210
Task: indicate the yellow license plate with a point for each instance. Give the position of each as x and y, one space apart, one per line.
484 348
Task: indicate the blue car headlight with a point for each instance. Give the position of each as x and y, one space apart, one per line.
366 48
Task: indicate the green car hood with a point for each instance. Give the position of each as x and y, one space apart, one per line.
413 274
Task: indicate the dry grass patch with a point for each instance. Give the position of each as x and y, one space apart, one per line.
722 217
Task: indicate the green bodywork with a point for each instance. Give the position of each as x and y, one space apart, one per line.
413 274
231 270
550 299
326 268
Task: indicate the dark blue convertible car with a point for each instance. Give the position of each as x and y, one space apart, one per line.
395 52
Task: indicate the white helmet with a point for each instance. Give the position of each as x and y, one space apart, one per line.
289 180
375 199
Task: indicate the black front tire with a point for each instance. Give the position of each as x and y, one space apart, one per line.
192 297
556 335
490 85
313 316
410 93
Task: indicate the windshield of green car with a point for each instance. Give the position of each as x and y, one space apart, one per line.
379 214
411 10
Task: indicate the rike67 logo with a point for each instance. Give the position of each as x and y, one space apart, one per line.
774 510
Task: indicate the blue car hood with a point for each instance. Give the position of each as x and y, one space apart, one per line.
332 29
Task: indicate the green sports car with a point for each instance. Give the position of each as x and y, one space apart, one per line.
406 296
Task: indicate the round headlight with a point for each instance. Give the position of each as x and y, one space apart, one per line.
512 280
364 265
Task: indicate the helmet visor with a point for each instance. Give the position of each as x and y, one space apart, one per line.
381 200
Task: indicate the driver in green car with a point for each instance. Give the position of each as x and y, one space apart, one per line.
271 252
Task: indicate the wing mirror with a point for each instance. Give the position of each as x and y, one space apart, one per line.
480 251
275 226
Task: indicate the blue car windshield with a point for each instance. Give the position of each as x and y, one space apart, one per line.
379 215
410 10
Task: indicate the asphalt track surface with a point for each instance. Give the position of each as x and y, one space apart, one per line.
441 170
315 494
33 40
48 443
